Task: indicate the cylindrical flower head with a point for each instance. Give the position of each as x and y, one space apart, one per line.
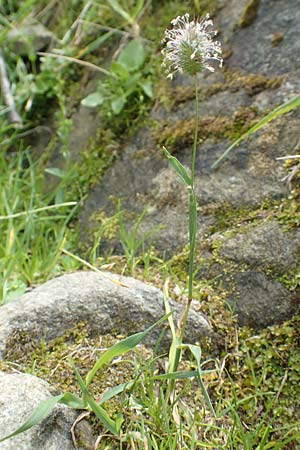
189 46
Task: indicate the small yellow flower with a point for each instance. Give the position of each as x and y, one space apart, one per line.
189 46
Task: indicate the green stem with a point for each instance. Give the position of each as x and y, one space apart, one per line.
192 217
196 131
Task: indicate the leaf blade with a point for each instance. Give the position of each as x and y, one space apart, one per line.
179 168
39 413
124 346
279 111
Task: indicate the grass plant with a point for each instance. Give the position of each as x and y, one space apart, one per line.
175 401
33 227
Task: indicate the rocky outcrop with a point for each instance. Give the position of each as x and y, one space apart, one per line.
260 73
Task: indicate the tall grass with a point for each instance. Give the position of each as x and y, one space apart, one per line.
33 227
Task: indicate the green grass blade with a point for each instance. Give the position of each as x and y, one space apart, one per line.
103 416
196 352
279 111
179 168
34 211
72 401
116 390
39 413
98 410
120 348
115 5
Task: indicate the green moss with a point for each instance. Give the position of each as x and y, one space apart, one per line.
234 81
291 280
277 38
50 360
270 361
96 158
249 13
181 132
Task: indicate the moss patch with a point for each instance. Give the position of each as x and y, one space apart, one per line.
249 13
50 360
182 132
234 81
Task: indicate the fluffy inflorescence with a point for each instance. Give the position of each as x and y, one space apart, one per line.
189 46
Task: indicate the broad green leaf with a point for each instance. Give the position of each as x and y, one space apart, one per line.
179 168
115 5
39 414
117 104
119 70
147 87
279 111
133 55
196 352
120 348
131 84
93 100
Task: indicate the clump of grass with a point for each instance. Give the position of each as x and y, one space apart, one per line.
34 227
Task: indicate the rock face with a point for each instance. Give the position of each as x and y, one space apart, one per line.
260 73
266 244
260 301
19 395
51 309
253 259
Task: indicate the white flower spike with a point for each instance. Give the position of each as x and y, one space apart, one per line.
189 46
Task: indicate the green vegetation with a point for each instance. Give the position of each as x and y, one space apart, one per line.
253 379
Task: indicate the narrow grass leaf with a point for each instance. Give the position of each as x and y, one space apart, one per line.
39 413
116 390
72 401
179 168
196 352
279 111
115 5
98 410
120 348
103 416
283 444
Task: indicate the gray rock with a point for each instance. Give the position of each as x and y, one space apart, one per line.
29 37
250 175
260 301
253 47
266 245
19 395
54 307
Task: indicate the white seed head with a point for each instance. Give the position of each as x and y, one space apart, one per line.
189 46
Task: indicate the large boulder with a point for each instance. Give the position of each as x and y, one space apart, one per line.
19 395
107 303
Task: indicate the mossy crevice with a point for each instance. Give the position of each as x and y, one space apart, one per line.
249 14
181 132
234 81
